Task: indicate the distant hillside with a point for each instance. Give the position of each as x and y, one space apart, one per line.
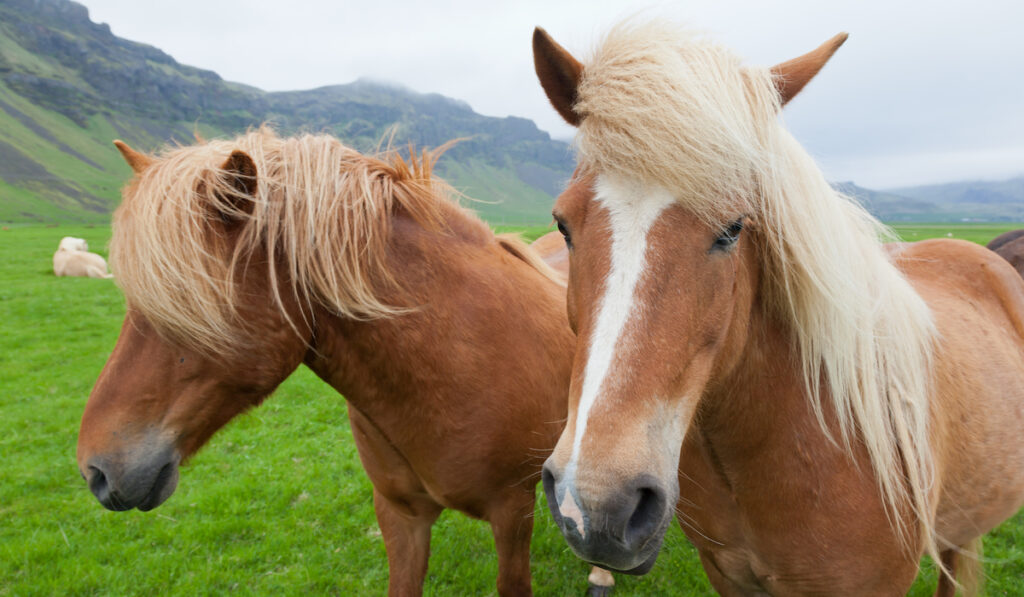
68 87
987 200
888 207
1001 201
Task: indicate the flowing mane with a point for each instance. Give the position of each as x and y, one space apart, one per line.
681 113
320 209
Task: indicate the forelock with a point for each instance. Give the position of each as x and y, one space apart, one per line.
664 105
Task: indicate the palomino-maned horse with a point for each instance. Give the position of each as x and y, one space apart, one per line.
1009 246
826 407
242 259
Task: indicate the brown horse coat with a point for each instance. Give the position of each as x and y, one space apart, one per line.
454 364
825 408
1010 246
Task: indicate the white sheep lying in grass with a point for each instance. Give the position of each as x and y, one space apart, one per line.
74 259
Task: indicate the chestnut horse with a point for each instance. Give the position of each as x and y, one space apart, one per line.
826 408
242 259
1009 246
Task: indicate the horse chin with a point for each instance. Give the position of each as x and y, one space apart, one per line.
647 558
642 568
164 486
646 565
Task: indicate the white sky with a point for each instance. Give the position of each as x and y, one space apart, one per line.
922 92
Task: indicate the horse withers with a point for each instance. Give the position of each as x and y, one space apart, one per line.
826 408
242 259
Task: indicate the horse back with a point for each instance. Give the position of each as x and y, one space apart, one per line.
955 270
977 301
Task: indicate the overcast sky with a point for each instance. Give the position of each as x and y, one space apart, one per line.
922 92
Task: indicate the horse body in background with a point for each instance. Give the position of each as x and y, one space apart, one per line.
552 249
450 345
825 408
1010 246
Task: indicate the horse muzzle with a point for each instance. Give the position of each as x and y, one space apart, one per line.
622 531
143 480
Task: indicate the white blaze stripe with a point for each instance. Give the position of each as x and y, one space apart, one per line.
632 210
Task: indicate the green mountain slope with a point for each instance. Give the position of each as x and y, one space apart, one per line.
68 87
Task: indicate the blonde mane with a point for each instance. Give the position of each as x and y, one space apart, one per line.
673 110
184 234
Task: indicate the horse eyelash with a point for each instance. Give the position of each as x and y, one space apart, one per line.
727 238
564 232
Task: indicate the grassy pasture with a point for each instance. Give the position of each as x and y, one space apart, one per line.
277 503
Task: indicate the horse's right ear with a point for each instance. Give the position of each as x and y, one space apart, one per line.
559 74
240 175
791 76
137 161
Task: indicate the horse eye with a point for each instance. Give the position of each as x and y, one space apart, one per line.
565 233
729 236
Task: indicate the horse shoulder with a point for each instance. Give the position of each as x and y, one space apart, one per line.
977 301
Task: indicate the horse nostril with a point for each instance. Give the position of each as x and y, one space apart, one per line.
98 484
548 481
647 515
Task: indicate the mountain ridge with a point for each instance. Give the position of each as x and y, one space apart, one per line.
966 201
68 86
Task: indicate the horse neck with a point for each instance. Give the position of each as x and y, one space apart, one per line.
482 323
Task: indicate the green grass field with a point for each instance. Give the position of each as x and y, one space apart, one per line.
276 504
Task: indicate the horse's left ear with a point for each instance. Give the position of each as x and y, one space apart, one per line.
792 75
137 161
239 172
559 74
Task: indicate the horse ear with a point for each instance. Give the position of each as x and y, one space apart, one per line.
559 74
792 75
137 161
239 172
